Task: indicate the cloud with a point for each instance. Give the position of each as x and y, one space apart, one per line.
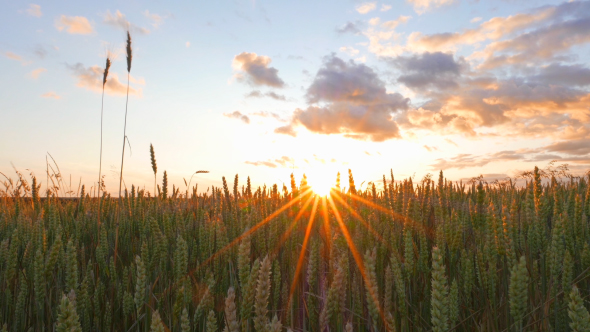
366 7
74 25
540 44
265 114
348 98
475 20
558 74
430 148
91 79
385 7
349 50
351 27
451 142
51 94
187 44
34 10
383 39
283 161
156 19
35 73
464 160
494 29
255 70
437 69
238 115
270 94
422 6
16 57
286 130
577 152
40 51
577 147
119 21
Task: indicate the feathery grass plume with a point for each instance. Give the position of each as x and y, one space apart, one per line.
438 300
231 316
157 325
185 323
518 291
140 283
262 295
67 318
99 183
129 52
211 322
154 165
580 319
129 58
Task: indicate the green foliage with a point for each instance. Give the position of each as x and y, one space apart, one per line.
505 258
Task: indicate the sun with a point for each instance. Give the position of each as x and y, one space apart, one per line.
321 183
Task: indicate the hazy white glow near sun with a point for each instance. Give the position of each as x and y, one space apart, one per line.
321 183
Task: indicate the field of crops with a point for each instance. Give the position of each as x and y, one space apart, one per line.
410 255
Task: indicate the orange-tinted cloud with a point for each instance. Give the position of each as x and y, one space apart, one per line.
51 94
348 98
74 25
255 70
35 73
119 21
238 115
34 10
91 78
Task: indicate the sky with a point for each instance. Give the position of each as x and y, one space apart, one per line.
265 89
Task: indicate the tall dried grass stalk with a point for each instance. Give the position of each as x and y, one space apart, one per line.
99 183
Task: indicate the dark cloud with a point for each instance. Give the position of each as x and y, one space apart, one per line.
567 75
270 94
255 70
40 51
351 27
349 98
577 147
439 70
238 115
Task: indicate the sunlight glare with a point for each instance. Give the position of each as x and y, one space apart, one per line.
321 183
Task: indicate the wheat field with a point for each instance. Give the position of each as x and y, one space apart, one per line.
409 256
